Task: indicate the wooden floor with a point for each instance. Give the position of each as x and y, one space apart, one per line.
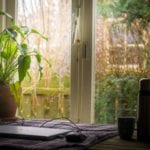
117 144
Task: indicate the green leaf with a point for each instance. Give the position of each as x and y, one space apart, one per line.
38 58
23 48
4 36
40 71
18 29
25 30
16 91
12 33
7 15
37 55
9 50
36 32
23 66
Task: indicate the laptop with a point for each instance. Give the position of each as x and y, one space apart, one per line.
33 133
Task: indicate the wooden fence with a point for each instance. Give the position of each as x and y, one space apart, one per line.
44 103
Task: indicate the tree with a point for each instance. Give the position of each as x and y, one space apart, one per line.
131 10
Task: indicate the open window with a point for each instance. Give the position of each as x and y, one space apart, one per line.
122 59
68 25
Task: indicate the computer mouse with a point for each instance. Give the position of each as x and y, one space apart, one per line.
75 137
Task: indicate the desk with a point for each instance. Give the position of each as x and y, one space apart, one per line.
94 133
117 144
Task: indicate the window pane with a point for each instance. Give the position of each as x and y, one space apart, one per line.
122 59
48 97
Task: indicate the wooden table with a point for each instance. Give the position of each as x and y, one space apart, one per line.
117 144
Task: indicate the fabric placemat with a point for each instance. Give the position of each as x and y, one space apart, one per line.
94 133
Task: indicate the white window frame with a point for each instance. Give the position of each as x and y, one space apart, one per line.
8 6
82 63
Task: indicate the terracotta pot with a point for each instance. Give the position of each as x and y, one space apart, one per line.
7 103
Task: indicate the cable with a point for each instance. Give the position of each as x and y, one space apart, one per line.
70 121
79 129
72 124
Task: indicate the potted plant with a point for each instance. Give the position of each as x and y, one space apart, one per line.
15 59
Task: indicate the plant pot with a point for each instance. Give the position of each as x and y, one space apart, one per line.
7 103
126 127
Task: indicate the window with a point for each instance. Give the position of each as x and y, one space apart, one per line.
50 96
81 104
122 59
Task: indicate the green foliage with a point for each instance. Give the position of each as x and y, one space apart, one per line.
16 53
115 96
23 65
16 90
134 9
116 93
131 10
54 83
8 56
7 15
105 8
66 81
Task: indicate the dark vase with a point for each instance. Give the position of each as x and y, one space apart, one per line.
126 127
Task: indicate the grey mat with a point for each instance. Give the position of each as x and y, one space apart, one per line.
94 133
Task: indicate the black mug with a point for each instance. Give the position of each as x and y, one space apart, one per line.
126 127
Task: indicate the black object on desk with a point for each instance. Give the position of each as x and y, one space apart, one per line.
126 127
143 125
75 137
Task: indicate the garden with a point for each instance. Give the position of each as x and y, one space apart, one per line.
122 57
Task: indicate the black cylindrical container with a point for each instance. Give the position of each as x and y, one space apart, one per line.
126 127
143 124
